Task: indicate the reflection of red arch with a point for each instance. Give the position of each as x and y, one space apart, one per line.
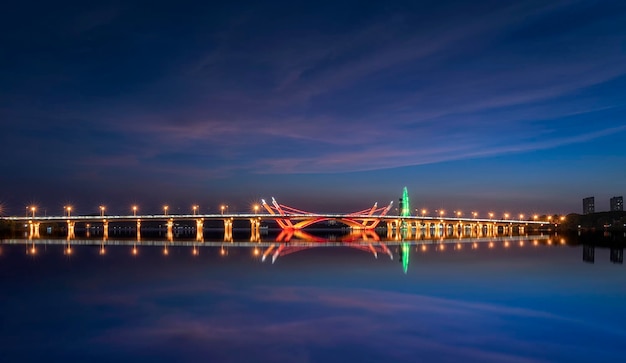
366 219
355 240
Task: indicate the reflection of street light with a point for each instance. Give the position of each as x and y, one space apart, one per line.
165 208
102 211
134 210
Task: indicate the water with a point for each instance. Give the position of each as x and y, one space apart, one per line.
520 300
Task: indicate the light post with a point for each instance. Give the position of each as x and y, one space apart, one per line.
506 216
475 214
69 210
535 217
102 208
165 208
33 209
521 217
423 212
256 208
459 213
195 209
490 215
134 210
223 207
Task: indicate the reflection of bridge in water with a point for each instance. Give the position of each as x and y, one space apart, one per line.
293 241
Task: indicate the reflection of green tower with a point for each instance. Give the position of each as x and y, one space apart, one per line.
405 211
405 249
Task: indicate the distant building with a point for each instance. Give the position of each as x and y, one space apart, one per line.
617 204
589 205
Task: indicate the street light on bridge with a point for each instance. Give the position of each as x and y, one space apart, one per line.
490 215
134 210
33 209
256 208
223 207
195 209
68 208
521 216
475 214
506 215
423 212
102 208
165 208
459 213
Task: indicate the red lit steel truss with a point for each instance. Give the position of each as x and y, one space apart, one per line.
292 218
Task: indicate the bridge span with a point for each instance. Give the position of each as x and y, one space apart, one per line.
409 225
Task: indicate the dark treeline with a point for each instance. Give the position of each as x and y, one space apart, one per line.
612 221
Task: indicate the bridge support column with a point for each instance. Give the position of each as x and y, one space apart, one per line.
228 229
70 229
170 230
389 230
33 229
105 229
200 230
138 229
255 234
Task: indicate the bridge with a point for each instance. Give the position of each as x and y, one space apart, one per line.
288 219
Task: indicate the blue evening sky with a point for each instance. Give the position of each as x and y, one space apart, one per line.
514 106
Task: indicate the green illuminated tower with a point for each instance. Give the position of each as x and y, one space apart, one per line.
405 211
405 208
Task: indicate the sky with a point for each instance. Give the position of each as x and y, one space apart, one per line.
515 106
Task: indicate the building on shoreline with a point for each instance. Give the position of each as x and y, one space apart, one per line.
589 205
617 204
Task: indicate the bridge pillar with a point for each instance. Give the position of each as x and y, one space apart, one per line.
138 229
70 229
389 230
105 229
418 229
200 229
255 234
228 229
170 229
33 229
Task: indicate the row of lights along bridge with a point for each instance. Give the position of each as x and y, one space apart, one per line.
224 209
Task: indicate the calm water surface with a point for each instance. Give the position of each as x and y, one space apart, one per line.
516 301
